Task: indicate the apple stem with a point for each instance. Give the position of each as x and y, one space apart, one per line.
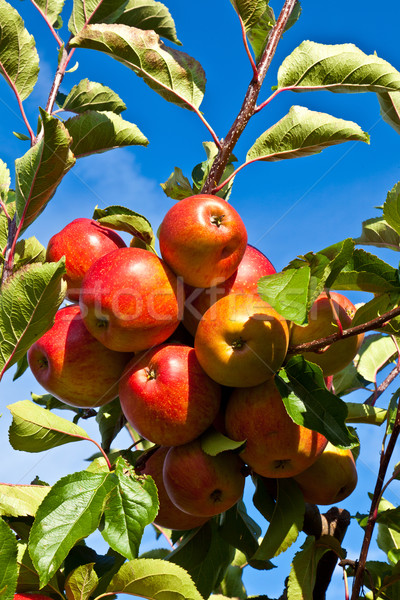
335 315
346 585
88 439
246 46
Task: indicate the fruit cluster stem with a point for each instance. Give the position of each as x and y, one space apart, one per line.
248 108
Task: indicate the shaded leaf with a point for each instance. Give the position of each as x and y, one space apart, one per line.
125 219
348 380
22 366
19 61
303 132
90 95
39 172
390 109
174 75
240 531
377 232
96 132
152 579
378 306
258 19
28 304
51 403
311 405
287 293
8 562
177 185
294 16
213 442
368 273
286 521
81 583
28 579
232 584
337 68
70 512
376 352
21 500
51 10
149 14
35 429
110 420
265 496
391 207
202 170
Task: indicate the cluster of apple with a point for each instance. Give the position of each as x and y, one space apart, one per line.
187 344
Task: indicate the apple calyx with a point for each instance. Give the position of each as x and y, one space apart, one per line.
217 220
238 344
151 373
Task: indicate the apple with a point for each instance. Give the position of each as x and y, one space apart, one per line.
31 596
130 300
241 340
331 478
201 484
169 515
72 365
253 265
203 239
167 397
275 446
321 323
82 242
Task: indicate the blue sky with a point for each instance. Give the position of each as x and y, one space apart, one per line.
289 208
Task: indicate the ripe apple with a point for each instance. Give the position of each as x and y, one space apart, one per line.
72 365
275 445
31 596
203 239
321 323
241 340
169 515
331 478
253 265
167 397
201 484
82 242
130 300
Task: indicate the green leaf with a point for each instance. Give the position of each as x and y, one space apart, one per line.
287 293
348 380
5 182
239 530
96 132
70 512
213 442
258 20
81 583
388 539
193 547
51 10
28 251
125 219
391 208
304 566
8 562
148 14
286 521
294 16
110 420
154 579
19 60
303 132
368 273
35 429
375 353
94 11
89 95
311 405
337 68
232 585
28 579
264 495
21 500
132 505
202 170
173 74
177 185
378 306
41 169
376 232
21 136
390 517
28 304
22 366
363 413
390 109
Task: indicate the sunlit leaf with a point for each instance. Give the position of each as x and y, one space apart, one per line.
21 500
364 413
376 351
5 181
390 109
8 562
51 10
391 207
81 582
94 11
368 273
125 219
213 442
177 185
258 20
28 251
149 14
348 380
377 232
287 292
90 95
28 579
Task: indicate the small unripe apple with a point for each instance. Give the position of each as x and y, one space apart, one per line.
203 239
275 446
201 484
73 366
321 323
331 479
241 340
167 397
82 242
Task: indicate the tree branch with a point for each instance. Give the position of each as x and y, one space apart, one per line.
383 386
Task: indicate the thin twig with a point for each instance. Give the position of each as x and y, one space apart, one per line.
5 211
383 386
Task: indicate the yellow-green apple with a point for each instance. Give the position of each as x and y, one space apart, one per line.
331 478
253 265
203 239
82 242
130 300
169 515
72 365
322 321
241 340
201 484
275 445
167 397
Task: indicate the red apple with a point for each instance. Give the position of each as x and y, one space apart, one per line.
275 445
167 397
241 340
321 323
253 265
72 365
169 515
203 239
130 300
82 242
201 484
31 596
